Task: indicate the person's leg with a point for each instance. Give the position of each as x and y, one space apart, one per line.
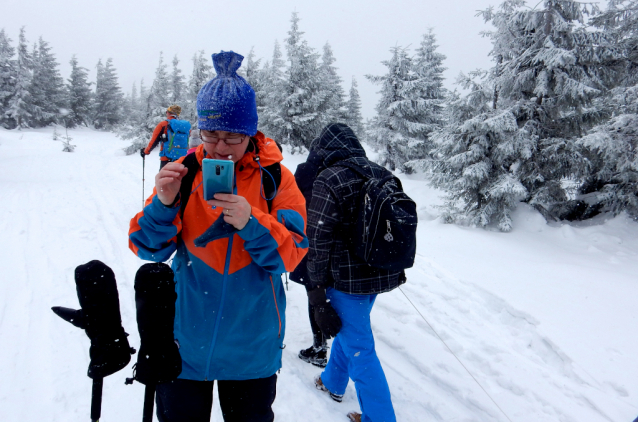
335 377
357 344
317 353
249 400
184 401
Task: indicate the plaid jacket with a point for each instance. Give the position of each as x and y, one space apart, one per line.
331 218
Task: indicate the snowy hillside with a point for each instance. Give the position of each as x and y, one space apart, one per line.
544 317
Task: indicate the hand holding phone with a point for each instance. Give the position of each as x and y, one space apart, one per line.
218 177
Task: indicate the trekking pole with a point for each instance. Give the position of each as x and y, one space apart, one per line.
96 399
158 360
99 316
143 167
149 399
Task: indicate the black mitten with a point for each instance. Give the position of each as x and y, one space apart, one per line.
100 317
325 316
158 360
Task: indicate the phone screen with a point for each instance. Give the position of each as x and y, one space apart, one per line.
218 177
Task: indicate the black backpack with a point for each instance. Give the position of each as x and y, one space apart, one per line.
385 222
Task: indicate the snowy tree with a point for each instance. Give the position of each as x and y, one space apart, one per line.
613 183
160 90
388 126
333 107
353 111
135 127
202 73
299 119
79 96
549 70
611 173
273 74
108 97
468 162
425 96
20 101
178 84
411 105
7 74
256 78
48 95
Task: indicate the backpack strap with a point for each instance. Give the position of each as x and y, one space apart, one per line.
368 175
271 180
185 188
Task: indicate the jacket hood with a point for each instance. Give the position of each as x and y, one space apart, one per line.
337 142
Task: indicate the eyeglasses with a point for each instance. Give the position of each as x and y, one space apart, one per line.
234 140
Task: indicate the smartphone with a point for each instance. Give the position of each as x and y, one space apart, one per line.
218 177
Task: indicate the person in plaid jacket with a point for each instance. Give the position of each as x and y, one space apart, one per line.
343 287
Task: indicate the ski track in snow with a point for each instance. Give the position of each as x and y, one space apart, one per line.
61 210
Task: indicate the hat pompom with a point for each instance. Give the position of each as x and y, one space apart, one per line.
227 63
227 102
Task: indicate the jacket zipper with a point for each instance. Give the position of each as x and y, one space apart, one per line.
221 302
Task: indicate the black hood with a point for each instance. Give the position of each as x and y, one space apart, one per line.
337 142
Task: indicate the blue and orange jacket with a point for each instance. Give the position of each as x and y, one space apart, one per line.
160 129
230 309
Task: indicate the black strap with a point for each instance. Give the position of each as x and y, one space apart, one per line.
270 180
369 175
185 188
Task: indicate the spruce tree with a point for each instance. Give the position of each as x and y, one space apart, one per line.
549 70
47 88
353 111
611 175
80 97
333 108
256 78
299 120
423 107
273 74
202 73
388 126
108 97
178 84
7 76
466 160
20 101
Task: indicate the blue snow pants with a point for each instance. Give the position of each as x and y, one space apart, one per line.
353 356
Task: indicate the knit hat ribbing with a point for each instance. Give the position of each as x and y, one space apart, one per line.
227 102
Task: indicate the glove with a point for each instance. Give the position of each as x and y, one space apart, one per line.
325 315
142 153
159 360
100 317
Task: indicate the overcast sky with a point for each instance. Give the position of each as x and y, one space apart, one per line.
360 32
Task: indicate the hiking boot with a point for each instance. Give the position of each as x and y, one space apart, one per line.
314 355
354 416
319 384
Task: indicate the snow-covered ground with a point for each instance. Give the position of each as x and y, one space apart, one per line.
543 318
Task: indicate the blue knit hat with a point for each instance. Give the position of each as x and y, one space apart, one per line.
227 102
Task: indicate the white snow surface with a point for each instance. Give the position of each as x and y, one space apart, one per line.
543 318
